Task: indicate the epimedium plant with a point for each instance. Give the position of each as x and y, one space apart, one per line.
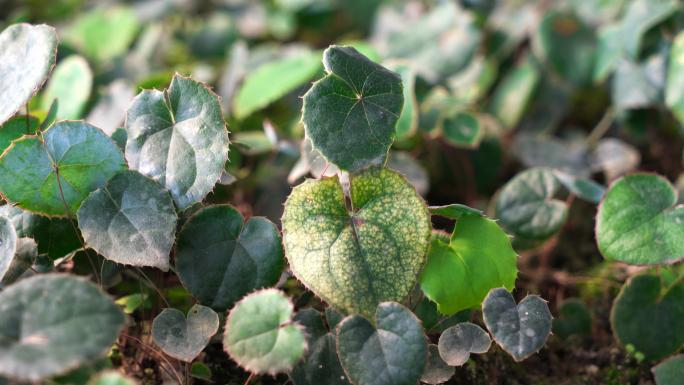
361 239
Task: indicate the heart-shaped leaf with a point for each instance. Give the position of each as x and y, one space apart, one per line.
351 114
51 323
26 255
670 371
8 245
575 319
394 353
437 371
178 138
648 317
520 330
201 371
15 128
457 342
220 258
260 335
356 260
184 339
321 364
273 80
586 189
637 222
568 46
27 55
131 221
462 130
479 257
55 236
526 205
83 156
71 83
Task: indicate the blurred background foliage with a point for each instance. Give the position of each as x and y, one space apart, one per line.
589 87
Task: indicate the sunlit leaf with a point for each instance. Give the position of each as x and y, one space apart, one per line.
104 33
71 83
184 339
512 95
458 342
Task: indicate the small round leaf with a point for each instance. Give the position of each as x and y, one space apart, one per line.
437 371
519 329
178 138
260 335
27 55
184 339
394 353
52 323
457 342
131 221
637 222
356 261
526 205
220 258
84 156
351 115
648 317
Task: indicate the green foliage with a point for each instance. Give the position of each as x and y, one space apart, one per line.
27 55
15 128
454 211
575 319
220 258
321 364
104 33
83 156
51 116
586 189
120 137
670 371
637 223
71 322
184 339
273 80
511 96
351 114
71 83
526 205
457 342
674 94
178 137
397 337
435 322
201 371
356 260
261 336
649 317
520 329
479 257
408 120
26 262
462 130
111 378
54 236
8 245
437 371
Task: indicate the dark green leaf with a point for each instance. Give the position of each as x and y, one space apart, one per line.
433 321
184 339
351 114
201 371
120 137
526 205
519 329
260 335
575 319
15 128
637 222
321 364
670 371
27 55
51 116
479 257
437 371
333 316
220 258
84 156
648 317
55 236
178 138
394 353
462 130
454 211
356 261
457 342
52 323
131 221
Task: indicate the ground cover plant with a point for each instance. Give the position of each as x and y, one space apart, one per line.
341 192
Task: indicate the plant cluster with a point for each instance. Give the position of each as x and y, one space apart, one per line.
401 295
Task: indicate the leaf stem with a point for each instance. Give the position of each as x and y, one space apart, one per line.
25 263
250 378
71 220
180 381
28 126
142 309
602 127
420 297
155 287
187 374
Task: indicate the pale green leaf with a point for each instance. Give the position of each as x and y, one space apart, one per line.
513 94
71 83
583 188
104 33
407 125
8 245
184 339
458 342
437 371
